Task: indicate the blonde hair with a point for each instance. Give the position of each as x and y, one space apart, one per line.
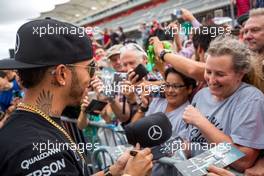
226 45
256 12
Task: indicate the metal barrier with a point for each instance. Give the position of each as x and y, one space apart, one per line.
100 159
116 133
112 144
102 156
78 137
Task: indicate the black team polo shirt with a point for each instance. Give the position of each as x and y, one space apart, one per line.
20 142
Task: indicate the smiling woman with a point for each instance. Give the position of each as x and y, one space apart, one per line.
225 67
228 110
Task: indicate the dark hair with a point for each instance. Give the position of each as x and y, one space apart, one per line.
120 28
2 74
203 39
188 82
127 41
32 76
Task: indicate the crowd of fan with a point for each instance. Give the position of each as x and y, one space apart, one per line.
222 75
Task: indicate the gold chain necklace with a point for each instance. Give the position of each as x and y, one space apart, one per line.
33 109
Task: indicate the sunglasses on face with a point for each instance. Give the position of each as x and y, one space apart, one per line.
91 68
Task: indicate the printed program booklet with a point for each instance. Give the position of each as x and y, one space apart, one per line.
221 156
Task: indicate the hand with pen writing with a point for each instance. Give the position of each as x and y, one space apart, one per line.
140 164
133 163
192 116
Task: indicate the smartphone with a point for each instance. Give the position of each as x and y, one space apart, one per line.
167 149
177 16
95 105
178 13
141 71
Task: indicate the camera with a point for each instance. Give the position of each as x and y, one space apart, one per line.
110 80
119 76
157 91
177 16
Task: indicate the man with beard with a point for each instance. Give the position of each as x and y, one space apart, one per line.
55 68
254 38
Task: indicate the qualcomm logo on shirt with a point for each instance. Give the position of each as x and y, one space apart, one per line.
26 163
47 170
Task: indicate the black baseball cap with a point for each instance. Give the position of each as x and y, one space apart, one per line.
242 18
48 42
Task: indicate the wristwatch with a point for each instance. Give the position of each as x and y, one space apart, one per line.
143 109
163 53
107 171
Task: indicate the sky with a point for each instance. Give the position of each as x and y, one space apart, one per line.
14 13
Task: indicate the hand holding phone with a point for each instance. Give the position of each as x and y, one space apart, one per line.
140 72
94 106
178 13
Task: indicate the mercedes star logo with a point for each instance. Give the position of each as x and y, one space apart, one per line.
17 43
155 132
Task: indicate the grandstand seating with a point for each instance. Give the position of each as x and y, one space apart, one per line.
162 13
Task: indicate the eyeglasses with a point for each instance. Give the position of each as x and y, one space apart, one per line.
174 86
91 68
